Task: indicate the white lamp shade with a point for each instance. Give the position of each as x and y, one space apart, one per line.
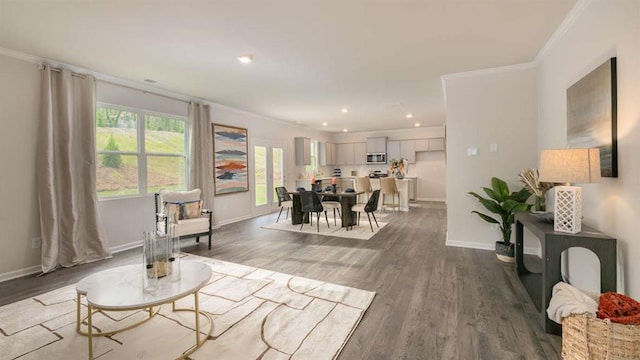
570 165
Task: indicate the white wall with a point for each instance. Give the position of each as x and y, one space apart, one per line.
490 107
19 216
431 172
602 30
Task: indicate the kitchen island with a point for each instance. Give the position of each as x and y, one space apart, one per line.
403 190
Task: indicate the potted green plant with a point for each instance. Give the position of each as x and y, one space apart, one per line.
505 204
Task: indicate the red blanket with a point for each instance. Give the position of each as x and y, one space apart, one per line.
619 309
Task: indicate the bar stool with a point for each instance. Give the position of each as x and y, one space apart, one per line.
388 187
364 184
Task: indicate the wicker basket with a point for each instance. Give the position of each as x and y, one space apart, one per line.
585 337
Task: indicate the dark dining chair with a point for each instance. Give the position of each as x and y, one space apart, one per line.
310 203
284 200
370 207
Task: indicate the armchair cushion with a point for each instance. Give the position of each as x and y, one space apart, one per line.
189 226
184 209
191 209
187 204
184 196
169 208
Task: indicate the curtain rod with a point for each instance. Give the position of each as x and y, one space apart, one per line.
81 76
41 67
144 91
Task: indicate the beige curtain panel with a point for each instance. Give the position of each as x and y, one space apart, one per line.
66 166
201 152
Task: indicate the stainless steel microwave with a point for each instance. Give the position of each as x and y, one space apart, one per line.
376 158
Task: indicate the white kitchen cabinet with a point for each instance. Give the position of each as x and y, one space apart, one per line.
326 153
408 150
331 153
436 144
393 150
376 145
360 153
422 145
303 151
322 153
345 154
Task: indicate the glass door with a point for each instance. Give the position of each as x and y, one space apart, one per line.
269 172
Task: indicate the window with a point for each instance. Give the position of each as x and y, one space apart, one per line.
314 158
139 157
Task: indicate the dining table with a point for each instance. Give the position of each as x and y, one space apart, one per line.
347 200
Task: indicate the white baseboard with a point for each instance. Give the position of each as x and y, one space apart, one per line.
20 273
230 221
483 246
433 199
38 268
124 247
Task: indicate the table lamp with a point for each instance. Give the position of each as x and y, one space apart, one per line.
569 166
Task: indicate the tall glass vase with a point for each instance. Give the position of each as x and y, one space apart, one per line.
540 204
149 269
173 247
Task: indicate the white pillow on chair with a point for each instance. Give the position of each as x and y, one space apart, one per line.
175 196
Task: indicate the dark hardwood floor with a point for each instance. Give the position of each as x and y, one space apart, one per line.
432 301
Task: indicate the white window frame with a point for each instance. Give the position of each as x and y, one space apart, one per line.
142 154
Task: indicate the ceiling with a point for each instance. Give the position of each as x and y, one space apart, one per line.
381 59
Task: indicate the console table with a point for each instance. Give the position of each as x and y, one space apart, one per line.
539 285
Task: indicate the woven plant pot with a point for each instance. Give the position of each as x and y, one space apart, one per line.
505 253
588 338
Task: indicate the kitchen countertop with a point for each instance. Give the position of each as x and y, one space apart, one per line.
348 178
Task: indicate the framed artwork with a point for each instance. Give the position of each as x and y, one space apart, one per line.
230 173
592 115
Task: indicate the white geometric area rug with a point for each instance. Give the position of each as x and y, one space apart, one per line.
362 232
257 314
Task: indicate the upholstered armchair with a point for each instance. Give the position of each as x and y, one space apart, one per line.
192 219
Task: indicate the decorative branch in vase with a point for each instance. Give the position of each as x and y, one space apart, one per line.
530 178
397 167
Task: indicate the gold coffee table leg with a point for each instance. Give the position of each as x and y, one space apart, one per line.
78 308
197 313
197 307
90 332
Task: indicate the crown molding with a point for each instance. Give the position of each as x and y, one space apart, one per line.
566 24
489 71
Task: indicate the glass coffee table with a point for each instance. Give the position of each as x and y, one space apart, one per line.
121 289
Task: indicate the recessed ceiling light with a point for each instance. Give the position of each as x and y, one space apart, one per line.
344 130
409 116
324 124
344 110
245 59
417 124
